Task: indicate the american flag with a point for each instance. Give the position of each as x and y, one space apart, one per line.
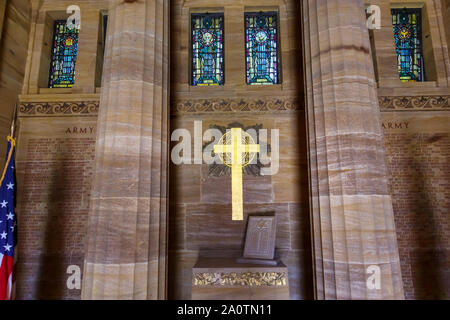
8 224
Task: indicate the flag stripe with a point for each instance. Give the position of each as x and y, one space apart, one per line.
9 287
8 225
5 277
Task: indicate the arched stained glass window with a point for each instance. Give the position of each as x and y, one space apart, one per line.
408 43
64 55
207 49
261 46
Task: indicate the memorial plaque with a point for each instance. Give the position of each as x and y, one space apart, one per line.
260 239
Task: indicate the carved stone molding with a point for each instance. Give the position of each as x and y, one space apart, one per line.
267 105
91 108
58 109
245 279
414 103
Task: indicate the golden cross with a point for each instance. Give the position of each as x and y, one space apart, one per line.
240 157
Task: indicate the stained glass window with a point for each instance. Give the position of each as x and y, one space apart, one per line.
261 44
408 43
64 55
207 49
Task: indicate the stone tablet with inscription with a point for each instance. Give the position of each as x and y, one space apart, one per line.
260 240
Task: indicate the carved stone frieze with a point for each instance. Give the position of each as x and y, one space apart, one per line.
235 105
411 103
55 109
246 279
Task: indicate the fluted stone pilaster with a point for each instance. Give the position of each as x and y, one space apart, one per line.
126 247
352 216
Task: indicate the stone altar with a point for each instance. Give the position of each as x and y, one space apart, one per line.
256 276
220 279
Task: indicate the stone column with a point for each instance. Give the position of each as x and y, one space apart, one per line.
127 238
352 218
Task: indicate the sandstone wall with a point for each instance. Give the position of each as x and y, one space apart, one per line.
200 211
418 156
56 148
416 119
54 170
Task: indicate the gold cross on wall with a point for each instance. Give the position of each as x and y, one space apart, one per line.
237 149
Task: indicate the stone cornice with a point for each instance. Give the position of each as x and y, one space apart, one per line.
229 105
415 103
58 109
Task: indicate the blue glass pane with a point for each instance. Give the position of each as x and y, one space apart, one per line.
408 43
261 46
207 49
64 56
